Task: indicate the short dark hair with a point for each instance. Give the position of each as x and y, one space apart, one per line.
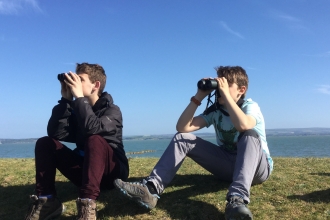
95 73
234 74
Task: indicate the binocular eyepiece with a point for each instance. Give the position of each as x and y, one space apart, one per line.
207 84
61 77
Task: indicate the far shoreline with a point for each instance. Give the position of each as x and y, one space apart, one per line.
295 132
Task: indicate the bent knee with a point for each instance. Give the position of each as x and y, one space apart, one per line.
185 136
250 133
47 142
44 141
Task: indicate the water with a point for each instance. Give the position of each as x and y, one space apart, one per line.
279 146
299 146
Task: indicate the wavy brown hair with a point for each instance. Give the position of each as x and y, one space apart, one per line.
95 73
234 74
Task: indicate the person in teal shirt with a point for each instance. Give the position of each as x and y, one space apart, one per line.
241 155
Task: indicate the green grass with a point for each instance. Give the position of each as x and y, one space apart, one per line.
299 188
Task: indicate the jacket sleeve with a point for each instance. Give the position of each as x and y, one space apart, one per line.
106 124
61 123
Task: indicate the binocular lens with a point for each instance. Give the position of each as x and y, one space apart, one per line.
61 77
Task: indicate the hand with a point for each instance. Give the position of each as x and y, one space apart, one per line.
66 92
201 94
73 81
223 86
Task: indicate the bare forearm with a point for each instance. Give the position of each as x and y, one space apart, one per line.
187 122
186 118
241 121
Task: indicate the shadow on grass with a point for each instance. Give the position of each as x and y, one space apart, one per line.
317 196
14 200
178 203
321 174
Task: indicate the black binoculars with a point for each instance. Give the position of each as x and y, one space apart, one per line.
61 77
207 84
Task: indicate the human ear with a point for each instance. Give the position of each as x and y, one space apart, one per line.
242 90
97 85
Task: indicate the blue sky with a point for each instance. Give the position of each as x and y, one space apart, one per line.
155 51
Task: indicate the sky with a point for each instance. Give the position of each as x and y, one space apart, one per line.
155 51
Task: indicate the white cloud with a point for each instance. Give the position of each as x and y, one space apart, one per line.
17 6
288 18
290 21
324 89
225 26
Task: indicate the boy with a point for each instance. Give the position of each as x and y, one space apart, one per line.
241 156
86 116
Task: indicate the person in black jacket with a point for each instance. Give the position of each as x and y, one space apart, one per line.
86 116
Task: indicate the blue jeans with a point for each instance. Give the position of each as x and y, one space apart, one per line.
246 167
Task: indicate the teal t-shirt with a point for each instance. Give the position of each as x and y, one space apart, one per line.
226 133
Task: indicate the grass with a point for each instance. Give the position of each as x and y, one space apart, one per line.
299 188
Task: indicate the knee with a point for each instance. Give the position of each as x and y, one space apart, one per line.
43 142
184 142
248 133
47 144
184 136
95 142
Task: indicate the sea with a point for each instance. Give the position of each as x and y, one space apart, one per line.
279 146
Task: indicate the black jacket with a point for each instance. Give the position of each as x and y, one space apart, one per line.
74 121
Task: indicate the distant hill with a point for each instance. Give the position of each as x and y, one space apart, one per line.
297 131
15 141
269 132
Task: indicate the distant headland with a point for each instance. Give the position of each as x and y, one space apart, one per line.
269 132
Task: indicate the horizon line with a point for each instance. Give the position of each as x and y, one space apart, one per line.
196 132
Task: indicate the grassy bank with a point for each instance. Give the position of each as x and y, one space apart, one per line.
297 189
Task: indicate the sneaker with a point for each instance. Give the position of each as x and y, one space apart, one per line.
44 208
86 209
138 191
236 209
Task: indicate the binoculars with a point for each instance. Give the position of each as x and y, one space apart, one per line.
61 77
207 84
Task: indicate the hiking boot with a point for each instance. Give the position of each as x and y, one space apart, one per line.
138 191
44 208
236 209
86 209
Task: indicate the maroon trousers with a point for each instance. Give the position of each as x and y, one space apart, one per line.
97 169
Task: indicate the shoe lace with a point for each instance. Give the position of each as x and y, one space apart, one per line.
137 190
236 200
85 211
142 183
34 207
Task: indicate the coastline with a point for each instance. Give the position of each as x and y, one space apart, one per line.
269 132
